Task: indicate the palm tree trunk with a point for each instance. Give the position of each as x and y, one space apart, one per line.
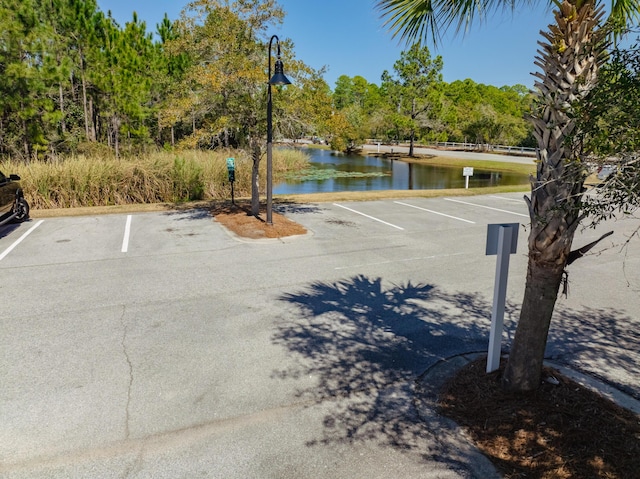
570 61
526 357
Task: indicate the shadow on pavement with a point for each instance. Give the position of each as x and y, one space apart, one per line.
8 228
190 214
287 207
366 343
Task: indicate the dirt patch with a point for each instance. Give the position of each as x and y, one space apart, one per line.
559 431
239 220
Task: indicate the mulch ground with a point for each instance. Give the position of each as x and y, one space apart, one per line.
559 431
238 219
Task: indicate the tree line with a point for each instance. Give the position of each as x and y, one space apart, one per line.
71 75
75 81
413 103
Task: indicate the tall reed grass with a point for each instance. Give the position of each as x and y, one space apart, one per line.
163 177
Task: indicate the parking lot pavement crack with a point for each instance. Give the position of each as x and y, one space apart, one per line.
123 343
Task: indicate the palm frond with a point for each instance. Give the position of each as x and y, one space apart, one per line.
624 14
410 20
422 20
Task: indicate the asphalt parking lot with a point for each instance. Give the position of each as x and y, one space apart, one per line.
159 345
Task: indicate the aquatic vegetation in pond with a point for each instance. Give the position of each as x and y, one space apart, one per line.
320 174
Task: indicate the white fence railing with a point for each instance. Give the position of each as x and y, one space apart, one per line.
523 150
515 150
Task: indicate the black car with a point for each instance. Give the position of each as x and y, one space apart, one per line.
13 206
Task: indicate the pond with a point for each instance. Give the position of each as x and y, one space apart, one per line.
332 173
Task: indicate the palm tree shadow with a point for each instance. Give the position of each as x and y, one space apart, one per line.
365 344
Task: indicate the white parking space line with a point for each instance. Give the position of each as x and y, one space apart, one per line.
487 207
504 198
370 217
421 258
434 212
19 240
127 232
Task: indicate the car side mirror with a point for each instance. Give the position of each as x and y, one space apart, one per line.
13 177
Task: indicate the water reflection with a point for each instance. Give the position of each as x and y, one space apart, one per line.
389 175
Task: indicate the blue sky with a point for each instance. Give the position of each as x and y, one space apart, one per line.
349 38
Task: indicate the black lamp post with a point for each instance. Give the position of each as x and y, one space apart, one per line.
278 78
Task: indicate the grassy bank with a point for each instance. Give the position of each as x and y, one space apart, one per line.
161 177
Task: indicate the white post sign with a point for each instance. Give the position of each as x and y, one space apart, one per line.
467 171
502 240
